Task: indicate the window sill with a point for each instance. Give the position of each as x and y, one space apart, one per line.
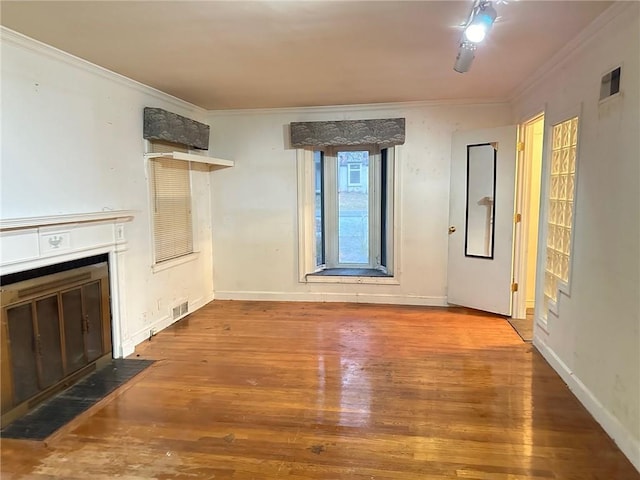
351 275
174 262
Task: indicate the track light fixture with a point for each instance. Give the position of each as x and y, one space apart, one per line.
476 27
466 54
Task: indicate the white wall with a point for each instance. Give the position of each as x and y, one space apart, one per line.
595 342
72 143
255 234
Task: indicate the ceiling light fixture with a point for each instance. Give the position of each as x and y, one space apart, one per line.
480 21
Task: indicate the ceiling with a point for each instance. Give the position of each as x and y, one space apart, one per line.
265 54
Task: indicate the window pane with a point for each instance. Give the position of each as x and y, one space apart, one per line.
353 207
318 160
383 205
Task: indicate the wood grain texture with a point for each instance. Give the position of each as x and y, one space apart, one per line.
260 390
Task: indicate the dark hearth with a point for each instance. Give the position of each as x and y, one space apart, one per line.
64 407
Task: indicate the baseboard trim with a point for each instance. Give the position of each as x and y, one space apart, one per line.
333 297
629 445
129 345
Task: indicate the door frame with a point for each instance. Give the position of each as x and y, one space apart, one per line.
522 205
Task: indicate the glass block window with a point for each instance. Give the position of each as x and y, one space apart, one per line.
564 140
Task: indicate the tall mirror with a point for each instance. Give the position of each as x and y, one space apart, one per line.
481 192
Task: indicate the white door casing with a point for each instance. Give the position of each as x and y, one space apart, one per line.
483 283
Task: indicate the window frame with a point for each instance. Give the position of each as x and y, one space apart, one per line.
306 217
551 305
543 316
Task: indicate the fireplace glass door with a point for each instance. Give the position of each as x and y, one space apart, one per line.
55 329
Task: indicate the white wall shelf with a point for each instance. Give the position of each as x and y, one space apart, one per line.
214 163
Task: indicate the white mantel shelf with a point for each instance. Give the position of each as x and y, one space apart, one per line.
35 222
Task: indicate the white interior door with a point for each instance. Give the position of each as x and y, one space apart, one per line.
481 214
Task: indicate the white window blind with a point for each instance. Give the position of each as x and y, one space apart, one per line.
171 207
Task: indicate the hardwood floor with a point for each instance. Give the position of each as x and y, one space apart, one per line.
259 390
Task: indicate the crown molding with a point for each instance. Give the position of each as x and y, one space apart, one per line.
17 39
367 107
619 9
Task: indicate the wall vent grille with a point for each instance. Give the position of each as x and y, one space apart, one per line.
610 83
180 310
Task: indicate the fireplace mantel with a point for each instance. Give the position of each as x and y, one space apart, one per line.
34 242
34 222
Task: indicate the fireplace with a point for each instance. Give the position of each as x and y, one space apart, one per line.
62 303
56 328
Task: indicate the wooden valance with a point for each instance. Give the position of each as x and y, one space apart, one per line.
383 132
160 124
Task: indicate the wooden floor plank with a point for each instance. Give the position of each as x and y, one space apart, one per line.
266 390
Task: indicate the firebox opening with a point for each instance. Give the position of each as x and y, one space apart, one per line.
10 278
56 329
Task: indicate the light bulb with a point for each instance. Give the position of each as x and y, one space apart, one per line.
475 32
480 24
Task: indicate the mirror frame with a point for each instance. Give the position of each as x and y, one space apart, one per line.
493 206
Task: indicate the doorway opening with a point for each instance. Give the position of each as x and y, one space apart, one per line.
528 183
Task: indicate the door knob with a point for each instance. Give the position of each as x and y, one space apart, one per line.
452 229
